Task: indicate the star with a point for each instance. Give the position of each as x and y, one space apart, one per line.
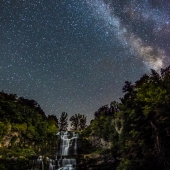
74 56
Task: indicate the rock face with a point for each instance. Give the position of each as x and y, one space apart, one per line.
9 137
99 142
95 161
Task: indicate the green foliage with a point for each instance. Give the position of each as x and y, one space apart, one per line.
103 126
17 152
146 123
138 127
3 129
20 127
25 118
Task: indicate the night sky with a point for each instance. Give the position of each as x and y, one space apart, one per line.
75 55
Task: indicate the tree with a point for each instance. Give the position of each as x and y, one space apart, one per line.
53 119
146 131
75 121
104 110
82 122
78 122
62 124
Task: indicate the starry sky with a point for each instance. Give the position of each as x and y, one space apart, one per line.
75 55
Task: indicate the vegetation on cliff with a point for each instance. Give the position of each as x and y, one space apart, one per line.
139 126
133 134
23 124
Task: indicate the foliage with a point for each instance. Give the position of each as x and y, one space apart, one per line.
137 127
17 151
4 126
28 122
63 122
146 131
78 122
103 125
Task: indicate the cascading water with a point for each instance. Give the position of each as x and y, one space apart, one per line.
75 147
37 164
50 166
68 147
65 144
65 157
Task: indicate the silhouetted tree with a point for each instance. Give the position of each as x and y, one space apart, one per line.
63 124
78 122
104 110
82 123
75 121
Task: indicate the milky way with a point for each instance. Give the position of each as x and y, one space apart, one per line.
75 56
151 56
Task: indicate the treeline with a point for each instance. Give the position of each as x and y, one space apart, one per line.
138 127
23 124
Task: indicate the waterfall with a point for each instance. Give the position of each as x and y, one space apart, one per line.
50 166
65 146
58 162
75 147
42 165
73 162
66 143
65 157
64 162
68 147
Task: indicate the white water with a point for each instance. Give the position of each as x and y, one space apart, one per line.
50 166
68 147
65 145
37 164
67 142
